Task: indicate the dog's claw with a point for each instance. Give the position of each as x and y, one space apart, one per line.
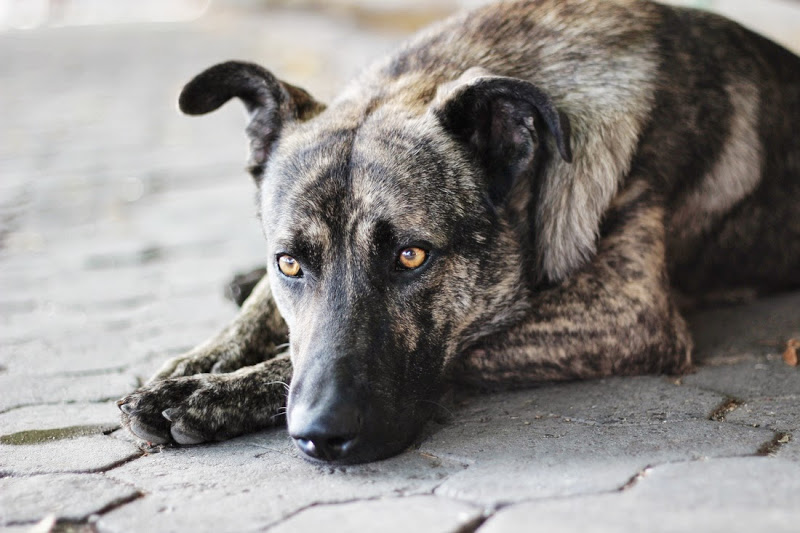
125 407
169 414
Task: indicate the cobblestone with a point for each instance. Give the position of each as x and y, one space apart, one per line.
510 461
77 454
421 514
738 494
68 496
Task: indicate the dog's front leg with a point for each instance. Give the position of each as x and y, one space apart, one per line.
615 316
255 335
209 407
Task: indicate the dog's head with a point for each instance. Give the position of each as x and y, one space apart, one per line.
396 236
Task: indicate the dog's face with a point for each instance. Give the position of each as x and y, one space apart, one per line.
390 247
375 260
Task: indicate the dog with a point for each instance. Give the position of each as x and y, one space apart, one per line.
515 195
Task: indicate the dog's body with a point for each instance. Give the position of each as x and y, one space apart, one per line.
511 197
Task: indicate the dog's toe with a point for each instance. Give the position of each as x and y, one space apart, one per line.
138 417
182 410
223 366
184 435
143 431
180 430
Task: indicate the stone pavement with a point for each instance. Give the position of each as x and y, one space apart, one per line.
120 221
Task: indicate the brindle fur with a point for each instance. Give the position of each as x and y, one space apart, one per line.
568 163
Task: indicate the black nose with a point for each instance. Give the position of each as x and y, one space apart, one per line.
325 448
326 434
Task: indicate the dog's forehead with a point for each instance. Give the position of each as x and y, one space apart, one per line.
352 178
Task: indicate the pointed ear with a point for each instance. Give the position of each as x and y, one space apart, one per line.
502 120
270 103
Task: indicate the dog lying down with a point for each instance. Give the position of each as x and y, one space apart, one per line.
513 196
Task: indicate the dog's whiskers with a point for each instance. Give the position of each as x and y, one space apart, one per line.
437 404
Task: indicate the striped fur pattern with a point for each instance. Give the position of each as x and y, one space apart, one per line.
566 166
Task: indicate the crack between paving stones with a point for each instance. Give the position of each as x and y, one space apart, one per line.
82 373
728 405
767 449
634 480
120 463
319 504
469 527
64 524
121 502
64 402
101 470
771 448
92 373
474 524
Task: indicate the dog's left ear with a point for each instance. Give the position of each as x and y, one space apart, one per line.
497 117
270 103
511 126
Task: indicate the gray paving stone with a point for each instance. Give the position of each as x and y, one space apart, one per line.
760 378
421 514
791 450
79 454
779 414
633 400
81 354
67 496
255 510
44 417
720 495
218 511
32 389
263 477
513 459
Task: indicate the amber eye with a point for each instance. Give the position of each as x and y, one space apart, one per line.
411 258
289 266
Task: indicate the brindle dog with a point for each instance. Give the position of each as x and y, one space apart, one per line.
511 197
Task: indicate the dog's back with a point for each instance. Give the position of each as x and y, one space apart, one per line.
700 105
733 222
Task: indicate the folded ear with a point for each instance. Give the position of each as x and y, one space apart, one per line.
501 120
270 103
507 123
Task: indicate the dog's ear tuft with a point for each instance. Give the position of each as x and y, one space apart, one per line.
270 103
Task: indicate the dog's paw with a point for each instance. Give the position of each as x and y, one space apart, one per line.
182 410
215 359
